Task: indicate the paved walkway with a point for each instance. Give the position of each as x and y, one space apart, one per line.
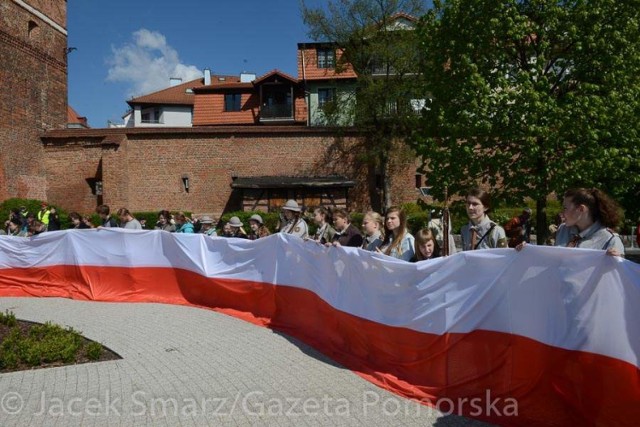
184 366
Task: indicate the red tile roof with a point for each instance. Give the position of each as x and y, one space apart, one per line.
273 73
74 118
176 95
220 80
234 82
224 86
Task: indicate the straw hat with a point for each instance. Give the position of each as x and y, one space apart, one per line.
257 218
235 222
291 205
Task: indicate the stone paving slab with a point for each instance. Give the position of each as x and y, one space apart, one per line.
184 366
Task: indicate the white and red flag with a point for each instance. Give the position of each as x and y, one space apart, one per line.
548 335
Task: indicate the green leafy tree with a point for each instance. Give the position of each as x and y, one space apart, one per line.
532 97
376 42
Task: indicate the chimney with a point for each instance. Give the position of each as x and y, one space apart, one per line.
207 77
246 77
175 81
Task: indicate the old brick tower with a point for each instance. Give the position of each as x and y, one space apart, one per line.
33 76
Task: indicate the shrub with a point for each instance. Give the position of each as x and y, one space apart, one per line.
93 350
46 343
8 360
32 354
33 206
10 349
411 209
8 319
356 220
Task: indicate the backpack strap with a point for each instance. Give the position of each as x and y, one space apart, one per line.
493 225
613 235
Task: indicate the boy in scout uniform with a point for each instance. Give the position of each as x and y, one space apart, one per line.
481 232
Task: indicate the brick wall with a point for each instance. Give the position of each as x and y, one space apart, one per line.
68 168
33 72
144 170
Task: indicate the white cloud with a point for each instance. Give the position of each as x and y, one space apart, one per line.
147 63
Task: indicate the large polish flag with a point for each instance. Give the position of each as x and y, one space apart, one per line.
544 336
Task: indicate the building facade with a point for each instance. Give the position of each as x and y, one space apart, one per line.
211 145
326 83
214 169
170 107
275 98
33 71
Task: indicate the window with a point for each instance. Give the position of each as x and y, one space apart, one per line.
33 29
326 96
151 115
326 57
232 101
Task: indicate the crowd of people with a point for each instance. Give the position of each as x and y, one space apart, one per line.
23 223
586 221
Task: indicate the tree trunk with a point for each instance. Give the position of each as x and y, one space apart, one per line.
386 184
542 230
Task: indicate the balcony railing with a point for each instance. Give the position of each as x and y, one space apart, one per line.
278 111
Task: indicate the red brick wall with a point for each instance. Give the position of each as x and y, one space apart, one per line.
115 178
56 10
144 173
403 168
33 73
68 168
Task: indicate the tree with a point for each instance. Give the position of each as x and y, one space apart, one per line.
384 56
532 97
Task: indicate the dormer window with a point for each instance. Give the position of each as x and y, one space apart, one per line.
326 57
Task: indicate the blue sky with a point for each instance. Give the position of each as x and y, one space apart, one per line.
128 48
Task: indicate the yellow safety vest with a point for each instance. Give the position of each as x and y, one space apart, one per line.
43 217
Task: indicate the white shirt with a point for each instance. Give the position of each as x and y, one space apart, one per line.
134 224
597 236
297 228
494 235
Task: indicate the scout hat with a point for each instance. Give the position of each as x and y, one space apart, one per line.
234 221
257 218
206 220
291 205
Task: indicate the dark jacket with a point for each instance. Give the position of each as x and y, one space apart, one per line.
349 237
